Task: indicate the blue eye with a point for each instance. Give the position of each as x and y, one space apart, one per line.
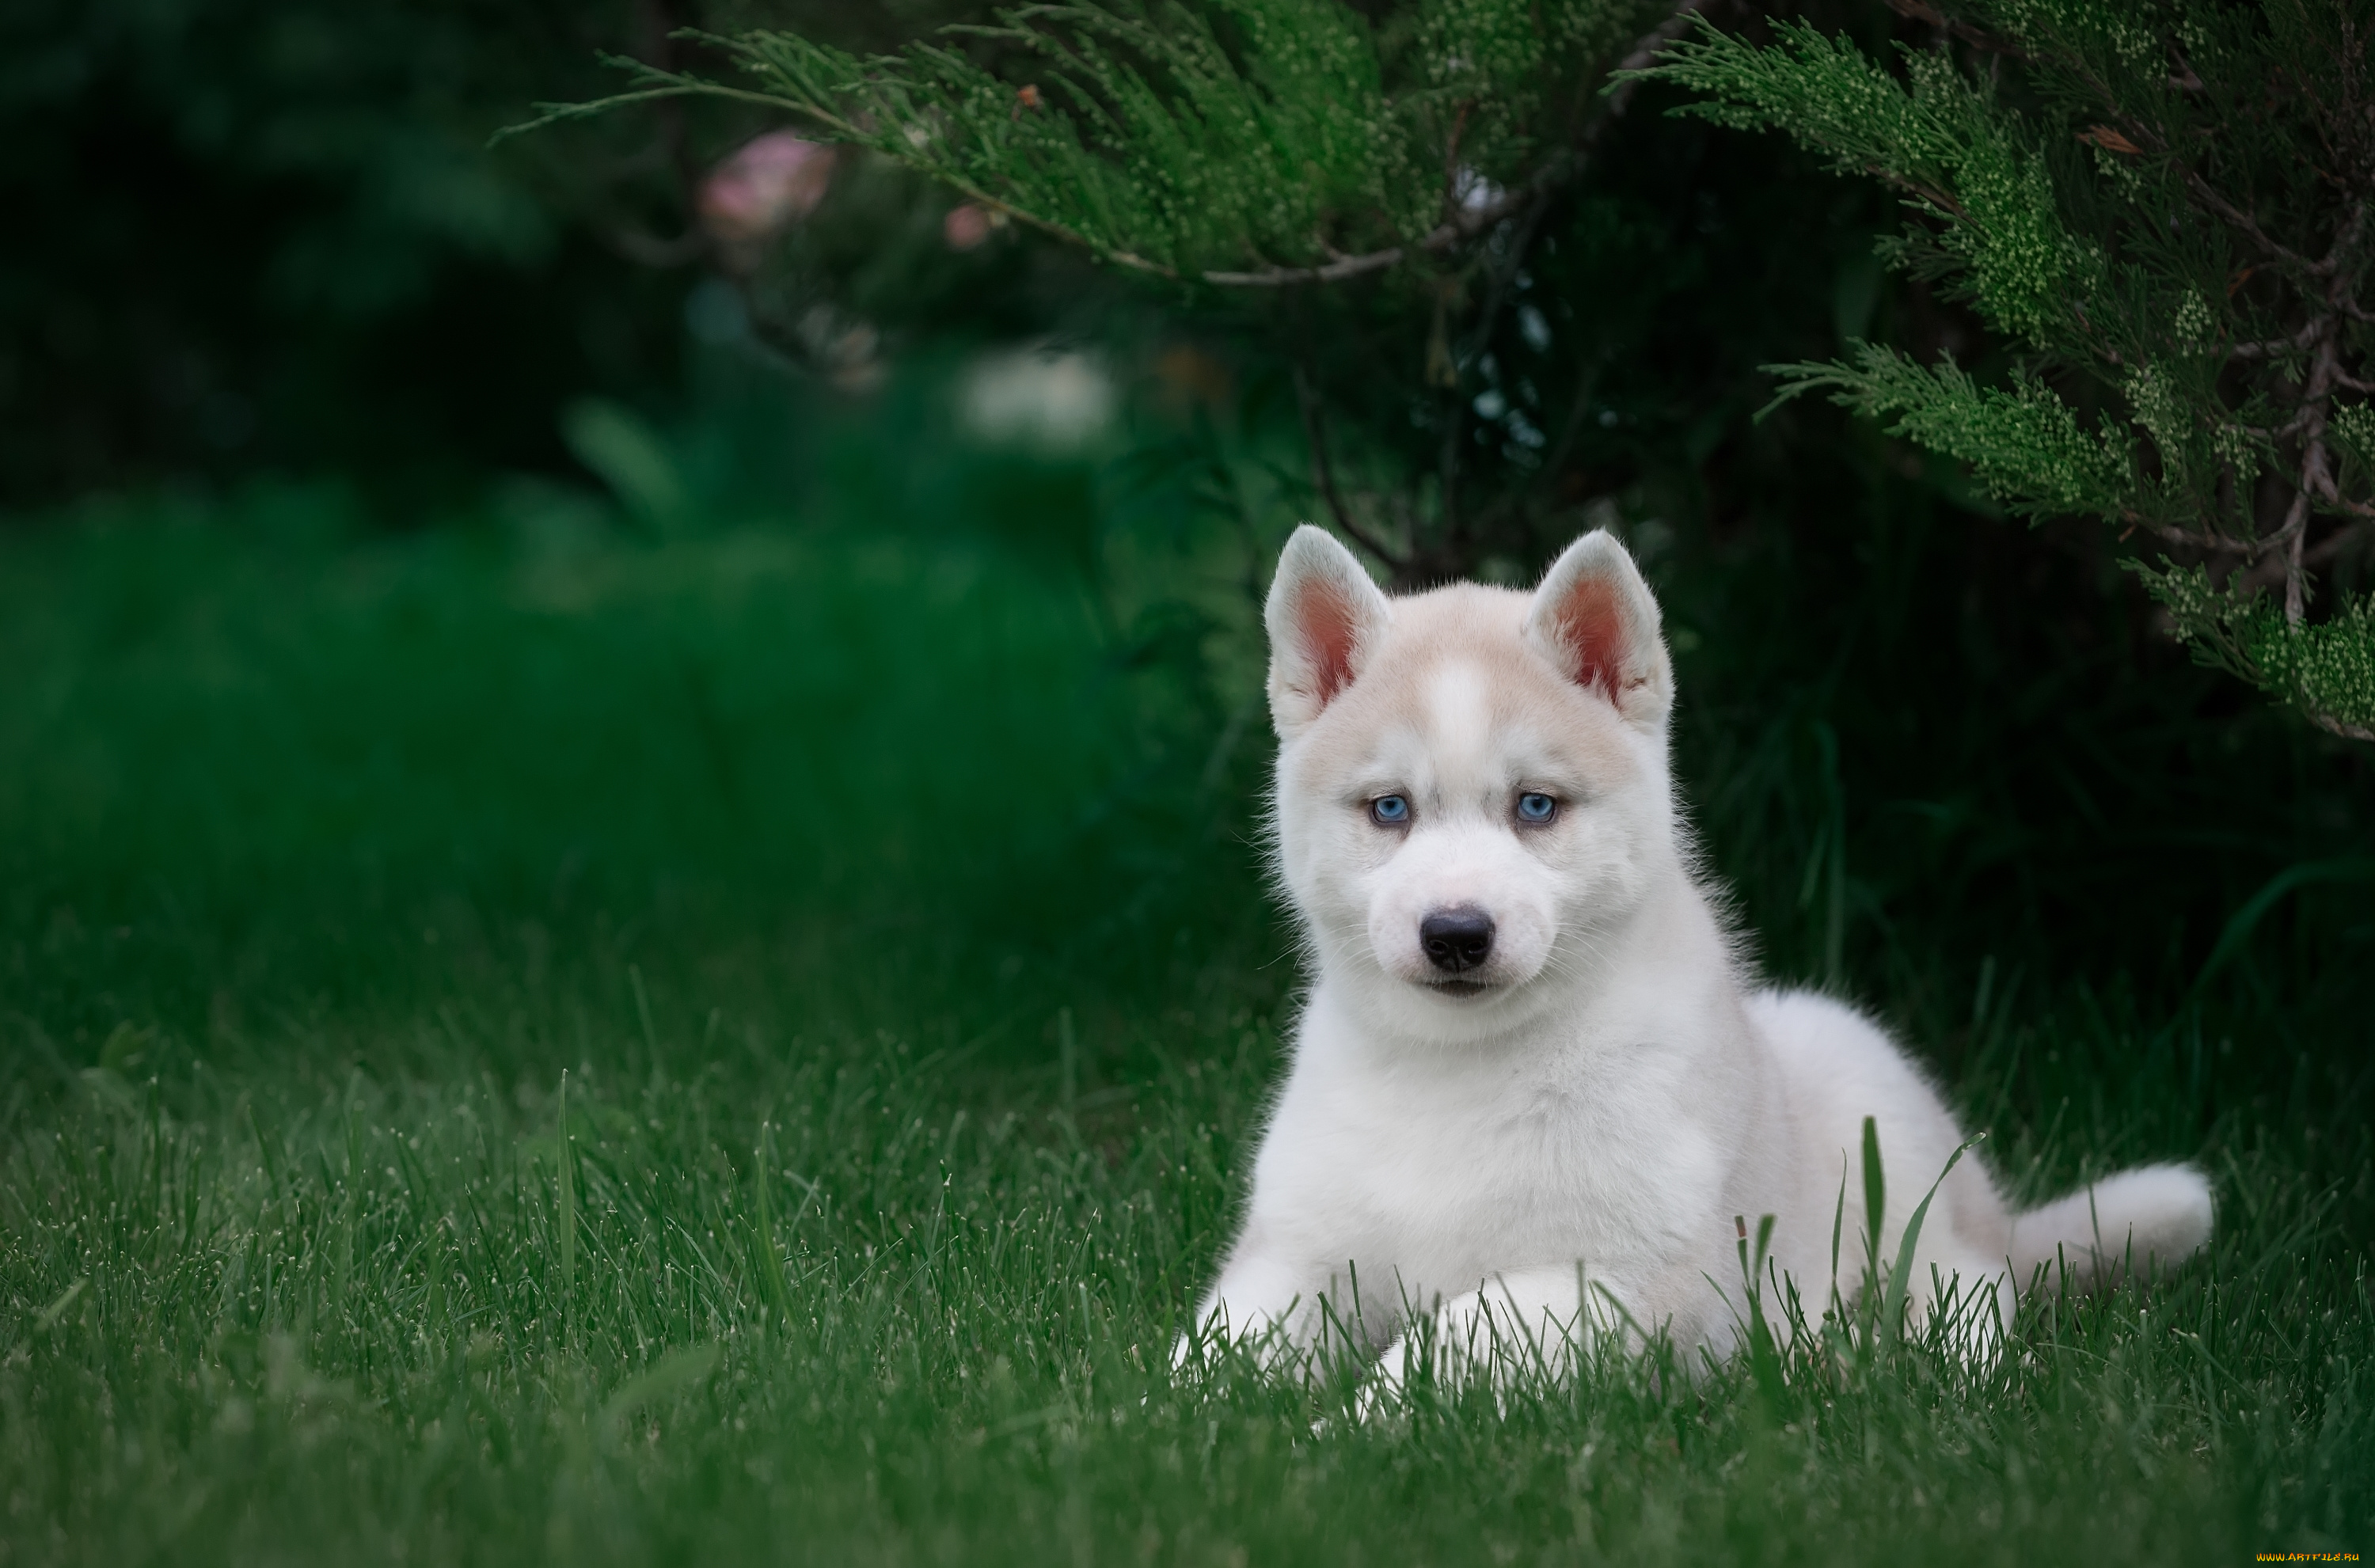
1389 810
1536 808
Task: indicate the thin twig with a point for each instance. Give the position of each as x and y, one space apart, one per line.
2294 532
2317 398
1336 271
2218 543
2238 218
2327 721
1323 475
1973 36
2298 343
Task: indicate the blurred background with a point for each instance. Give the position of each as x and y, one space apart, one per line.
662 546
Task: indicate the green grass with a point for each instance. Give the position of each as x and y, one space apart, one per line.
525 1046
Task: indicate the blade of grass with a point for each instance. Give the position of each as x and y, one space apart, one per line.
1901 1276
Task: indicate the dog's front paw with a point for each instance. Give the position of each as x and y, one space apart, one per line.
1520 1329
1382 1393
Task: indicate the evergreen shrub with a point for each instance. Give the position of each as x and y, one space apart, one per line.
2164 204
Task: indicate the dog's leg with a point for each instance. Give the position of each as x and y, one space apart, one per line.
1285 1314
1530 1322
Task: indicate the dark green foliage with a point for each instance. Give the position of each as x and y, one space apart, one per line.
2325 669
2167 204
1229 143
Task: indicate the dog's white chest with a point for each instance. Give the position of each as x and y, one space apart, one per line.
1438 1173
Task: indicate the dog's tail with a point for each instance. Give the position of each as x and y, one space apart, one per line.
2156 1215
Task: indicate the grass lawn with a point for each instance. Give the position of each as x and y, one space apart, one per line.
521 1045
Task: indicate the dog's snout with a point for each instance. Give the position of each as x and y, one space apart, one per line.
1457 940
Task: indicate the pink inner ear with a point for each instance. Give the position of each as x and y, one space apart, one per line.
1591 628
1323 618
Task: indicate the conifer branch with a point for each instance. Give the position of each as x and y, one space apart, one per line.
2208 196
1467 223
1170 146
2232 444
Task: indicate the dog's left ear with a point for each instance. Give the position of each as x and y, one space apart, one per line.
1596 620
1324 619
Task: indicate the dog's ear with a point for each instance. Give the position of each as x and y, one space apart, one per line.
1325 617
1596 620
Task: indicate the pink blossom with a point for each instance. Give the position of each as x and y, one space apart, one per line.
767 182
966 226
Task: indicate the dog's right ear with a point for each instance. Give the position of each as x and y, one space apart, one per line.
1597 622
1325 617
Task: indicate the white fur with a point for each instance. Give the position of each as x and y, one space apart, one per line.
1568 1147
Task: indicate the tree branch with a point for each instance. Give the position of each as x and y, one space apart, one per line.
2186 538
2295 532
1334 272
2298 343
2332 726
2317 397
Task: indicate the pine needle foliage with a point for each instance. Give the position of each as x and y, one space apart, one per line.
2163 207
1234 142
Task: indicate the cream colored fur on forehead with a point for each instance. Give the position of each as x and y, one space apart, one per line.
1474 635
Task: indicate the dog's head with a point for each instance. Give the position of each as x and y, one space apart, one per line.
1473 782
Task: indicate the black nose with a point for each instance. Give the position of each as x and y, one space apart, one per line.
1457 938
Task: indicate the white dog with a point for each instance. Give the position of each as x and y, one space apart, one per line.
1532 1091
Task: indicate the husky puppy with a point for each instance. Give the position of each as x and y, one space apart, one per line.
1533 1090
